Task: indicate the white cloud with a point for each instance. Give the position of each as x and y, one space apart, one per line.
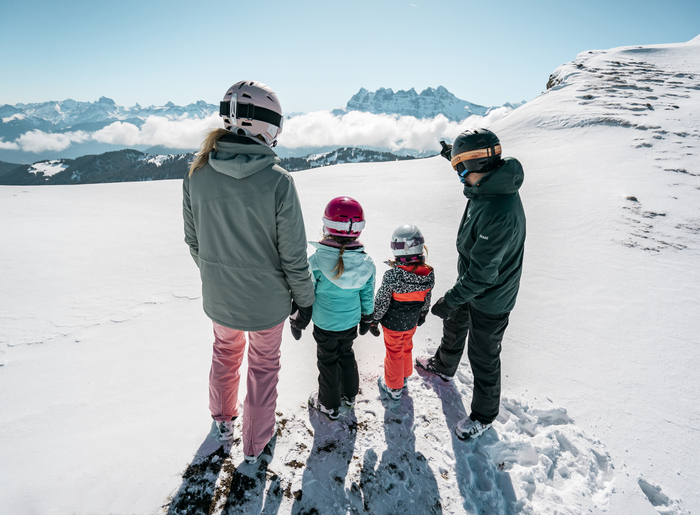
8 145
157 130
318 129
39 141
322 128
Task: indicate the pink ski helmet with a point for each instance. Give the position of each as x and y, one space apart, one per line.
343 217
251 108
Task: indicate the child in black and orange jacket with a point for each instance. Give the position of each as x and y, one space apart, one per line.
401 304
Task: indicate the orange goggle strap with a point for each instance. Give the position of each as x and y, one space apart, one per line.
475 154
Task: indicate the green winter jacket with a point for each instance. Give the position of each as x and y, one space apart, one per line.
341 302
491 242
244 227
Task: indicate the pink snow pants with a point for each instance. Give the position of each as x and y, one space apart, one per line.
263 374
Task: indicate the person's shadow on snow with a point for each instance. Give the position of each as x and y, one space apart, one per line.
323 482
199 492
483 486
403 481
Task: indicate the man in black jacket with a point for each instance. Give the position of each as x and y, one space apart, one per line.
490 243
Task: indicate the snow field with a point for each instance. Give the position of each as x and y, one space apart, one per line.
388 456
106 350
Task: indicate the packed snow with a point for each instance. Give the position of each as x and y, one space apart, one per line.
105 350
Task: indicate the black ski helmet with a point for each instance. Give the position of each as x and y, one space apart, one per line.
475 150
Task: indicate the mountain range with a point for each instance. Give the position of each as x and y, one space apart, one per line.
131 165
427 104
70 129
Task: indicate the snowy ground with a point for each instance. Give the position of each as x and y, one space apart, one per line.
104 349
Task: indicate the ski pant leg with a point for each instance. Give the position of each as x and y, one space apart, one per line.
484 352
327 357
224 375
261 399
399 345
347 364
454 337
408 353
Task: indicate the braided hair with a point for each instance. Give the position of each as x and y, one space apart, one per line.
344 241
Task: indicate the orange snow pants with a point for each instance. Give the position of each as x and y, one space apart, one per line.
398 362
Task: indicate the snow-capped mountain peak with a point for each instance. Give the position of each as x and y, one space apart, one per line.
428 103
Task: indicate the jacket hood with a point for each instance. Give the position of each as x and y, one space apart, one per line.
504 180
359 267
240 160
425 281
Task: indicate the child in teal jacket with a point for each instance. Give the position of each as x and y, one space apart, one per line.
343 277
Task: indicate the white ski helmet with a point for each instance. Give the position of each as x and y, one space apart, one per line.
251 108
406 241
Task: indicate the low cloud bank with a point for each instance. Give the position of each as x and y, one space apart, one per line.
318 129
321 129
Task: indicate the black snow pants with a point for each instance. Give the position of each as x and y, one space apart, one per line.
484 352
337 368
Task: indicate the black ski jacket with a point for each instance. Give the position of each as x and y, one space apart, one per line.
491 242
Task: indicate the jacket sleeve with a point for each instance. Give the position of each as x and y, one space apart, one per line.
190 230
426 303
367 296
383 297
291 242
485 258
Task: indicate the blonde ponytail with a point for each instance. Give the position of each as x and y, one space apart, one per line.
340 266
208 145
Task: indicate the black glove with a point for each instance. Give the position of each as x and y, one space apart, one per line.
441 309
446 151
421 317
299 318
374 329
365 323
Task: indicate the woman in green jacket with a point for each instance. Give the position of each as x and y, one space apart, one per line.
244 227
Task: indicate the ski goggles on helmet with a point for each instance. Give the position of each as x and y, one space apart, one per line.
235 110
405 245
481 153
349 226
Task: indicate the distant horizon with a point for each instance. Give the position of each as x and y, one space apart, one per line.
194 102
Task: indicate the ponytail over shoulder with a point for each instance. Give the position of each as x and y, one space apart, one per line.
209 144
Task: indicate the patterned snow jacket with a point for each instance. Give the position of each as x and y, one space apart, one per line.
403 296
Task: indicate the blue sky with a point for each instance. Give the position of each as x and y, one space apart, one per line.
314 54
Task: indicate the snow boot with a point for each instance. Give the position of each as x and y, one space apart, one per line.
394 393
348 401
468 428
225 430
428 364
267 450
331 413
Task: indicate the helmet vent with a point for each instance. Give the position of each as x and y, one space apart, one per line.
246 95
246 124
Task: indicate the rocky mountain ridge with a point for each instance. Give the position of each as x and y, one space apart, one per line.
429 103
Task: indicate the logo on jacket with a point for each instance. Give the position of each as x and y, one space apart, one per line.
483 237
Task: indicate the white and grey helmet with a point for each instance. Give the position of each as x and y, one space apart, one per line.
407 240
251 108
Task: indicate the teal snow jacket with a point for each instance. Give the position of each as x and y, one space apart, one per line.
340 302
245 230
491 242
